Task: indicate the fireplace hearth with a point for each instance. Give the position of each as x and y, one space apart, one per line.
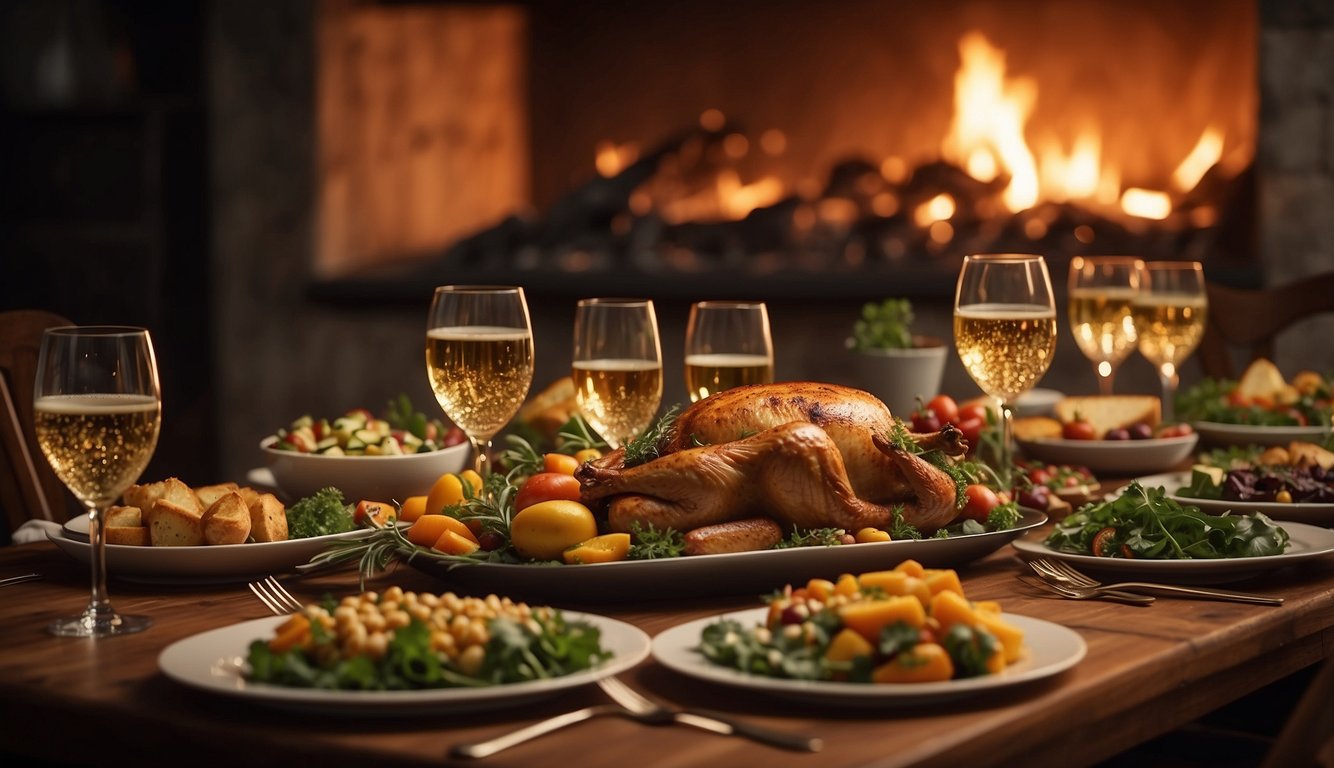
1057 130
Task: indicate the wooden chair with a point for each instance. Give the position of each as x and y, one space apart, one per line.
1250 319
29 489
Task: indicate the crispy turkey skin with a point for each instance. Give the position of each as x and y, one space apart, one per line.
809 455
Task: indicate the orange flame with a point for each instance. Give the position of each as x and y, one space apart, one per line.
987 132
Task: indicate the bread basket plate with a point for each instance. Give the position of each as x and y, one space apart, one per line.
730 574
1307 542
1172 482
1051 649
1113 458
1218 433
220 563
213 662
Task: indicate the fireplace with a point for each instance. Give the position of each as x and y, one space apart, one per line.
324 340
590 147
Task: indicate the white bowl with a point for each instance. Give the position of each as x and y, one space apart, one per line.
1113 458
1038 402
376 478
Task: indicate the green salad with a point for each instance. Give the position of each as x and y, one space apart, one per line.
1144 523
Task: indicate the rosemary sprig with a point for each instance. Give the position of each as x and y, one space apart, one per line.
648 446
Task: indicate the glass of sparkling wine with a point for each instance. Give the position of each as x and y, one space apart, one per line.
1005 329
1102 289
97 409
617 367
1170 311
727 345
479 357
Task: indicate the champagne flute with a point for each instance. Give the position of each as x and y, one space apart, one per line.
1005 330
727 345
97 409
1170 312
1102 289
617 366
479 357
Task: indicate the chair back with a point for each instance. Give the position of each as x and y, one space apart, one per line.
29 489
1250 319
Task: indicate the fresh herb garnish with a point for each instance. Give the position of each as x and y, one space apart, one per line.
812 537
648 446
1149 525
650 543
320 515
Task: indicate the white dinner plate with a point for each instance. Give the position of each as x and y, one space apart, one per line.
1316 514
1306 542
1216 433
1112 457
218 563
1050 650
699 575
212 661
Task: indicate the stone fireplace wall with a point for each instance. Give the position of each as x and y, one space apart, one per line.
278 353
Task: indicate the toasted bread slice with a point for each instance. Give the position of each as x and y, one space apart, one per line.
1310 454
1108 412
227 521
131 535
268 519
1035 427
210 493
172 525
124 517
248 495
172 489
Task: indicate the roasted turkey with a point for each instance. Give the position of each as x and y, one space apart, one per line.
808 455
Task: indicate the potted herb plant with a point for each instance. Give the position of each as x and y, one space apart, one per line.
893 363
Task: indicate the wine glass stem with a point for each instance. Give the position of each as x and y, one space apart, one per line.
482 455
1005 460
99 604
1168 375
1105 382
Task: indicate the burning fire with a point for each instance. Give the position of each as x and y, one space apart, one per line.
987 138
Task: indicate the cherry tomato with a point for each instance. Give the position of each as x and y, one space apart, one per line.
980 501
972 431
546 486
973 411
925 420
1175 430
1102 544
559 462
945 408
1039 476
1078 430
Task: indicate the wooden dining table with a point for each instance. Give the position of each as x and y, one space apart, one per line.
1148 670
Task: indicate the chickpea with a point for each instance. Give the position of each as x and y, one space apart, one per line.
470 661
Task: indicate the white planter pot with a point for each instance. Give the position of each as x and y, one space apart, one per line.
899 376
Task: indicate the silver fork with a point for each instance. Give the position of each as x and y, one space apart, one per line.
541 728
1071 593
275 596
20 579
705 719
1078 581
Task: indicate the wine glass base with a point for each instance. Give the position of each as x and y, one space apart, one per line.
105 624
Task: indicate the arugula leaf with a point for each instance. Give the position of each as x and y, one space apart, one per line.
1153 526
